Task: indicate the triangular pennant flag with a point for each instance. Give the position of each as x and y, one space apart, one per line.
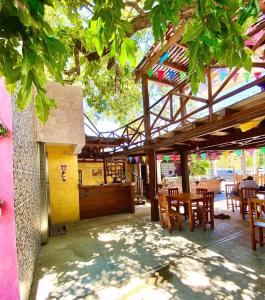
159 157
203 156
144 159
251 151
166 158
150 72
182 75
175 157
246 76
163 57
160 74
130 159
257 75
235 76
223 74
193 156
137 159
262 150
238 152
226 154
171 74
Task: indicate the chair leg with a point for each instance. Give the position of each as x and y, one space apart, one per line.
227 203
212 216
169 223
261 239
204 217
161 219
243 211
252 237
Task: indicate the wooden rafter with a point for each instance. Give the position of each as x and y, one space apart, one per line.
171 41
175 66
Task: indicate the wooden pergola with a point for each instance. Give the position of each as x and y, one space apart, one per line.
169 125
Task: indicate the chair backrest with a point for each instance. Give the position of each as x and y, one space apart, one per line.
257 210
163 202
201 191
173 191
229 188
208 197
246 193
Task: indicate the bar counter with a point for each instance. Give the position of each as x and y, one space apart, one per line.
102 200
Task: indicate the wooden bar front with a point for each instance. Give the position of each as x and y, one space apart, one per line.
102 200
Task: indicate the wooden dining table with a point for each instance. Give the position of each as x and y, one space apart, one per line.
188 199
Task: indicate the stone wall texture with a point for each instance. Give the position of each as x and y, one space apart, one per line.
27 195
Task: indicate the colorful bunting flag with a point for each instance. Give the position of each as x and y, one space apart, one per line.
137 159
198 157
262 150
166 158
238 152
257 75
160 74
246 76
159 157
223 74
235 76
226 154
251 151
182 75
175 157
144 159
130 159
203 156
150 72
193 156
163 57
214 155
171 74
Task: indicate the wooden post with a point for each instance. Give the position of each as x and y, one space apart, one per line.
105 170
184 170
210 93
243 162
182 105
150 152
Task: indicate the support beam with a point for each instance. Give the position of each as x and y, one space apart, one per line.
171 41
184 170
210 93
183 110
105 170
150 152
175 66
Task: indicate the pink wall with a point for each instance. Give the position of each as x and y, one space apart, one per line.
9 289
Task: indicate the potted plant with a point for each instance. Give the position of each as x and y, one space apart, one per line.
3 130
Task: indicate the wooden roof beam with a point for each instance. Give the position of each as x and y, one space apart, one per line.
175 66
170 42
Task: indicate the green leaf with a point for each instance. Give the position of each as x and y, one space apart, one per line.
43 105
192 30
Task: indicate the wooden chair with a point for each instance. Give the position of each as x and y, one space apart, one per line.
196 208
233 199
170 212
201 191
208 210
244 195
173 191
256 219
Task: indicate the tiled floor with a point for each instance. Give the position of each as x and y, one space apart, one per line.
129 257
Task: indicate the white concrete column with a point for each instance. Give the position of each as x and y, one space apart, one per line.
243 162
158 171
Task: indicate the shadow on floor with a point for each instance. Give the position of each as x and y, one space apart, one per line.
130 257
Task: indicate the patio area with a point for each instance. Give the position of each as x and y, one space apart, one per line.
129 257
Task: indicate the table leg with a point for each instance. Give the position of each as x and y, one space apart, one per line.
191 225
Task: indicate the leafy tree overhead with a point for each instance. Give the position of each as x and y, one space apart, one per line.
69 39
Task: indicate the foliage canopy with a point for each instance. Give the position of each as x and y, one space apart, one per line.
68 40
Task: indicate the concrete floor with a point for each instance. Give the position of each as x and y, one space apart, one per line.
129 257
